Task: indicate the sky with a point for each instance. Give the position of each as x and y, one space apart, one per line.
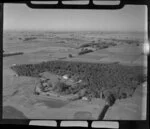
21 17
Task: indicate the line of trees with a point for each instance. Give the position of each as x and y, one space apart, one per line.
101 45
82 52
12 54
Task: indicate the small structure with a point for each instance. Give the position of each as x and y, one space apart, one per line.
65 77
79 81
16 75
84 98
37 89
45 84
13 64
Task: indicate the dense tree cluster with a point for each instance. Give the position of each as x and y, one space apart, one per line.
107 43
61 87
84 51
127 41
107 79
101 45
70 56
29 38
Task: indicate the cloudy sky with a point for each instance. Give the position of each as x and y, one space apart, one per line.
21 17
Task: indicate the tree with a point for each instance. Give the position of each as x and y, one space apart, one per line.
70 55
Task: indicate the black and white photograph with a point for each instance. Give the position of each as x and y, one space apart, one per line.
74 64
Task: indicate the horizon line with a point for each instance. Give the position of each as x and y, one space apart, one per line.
32 30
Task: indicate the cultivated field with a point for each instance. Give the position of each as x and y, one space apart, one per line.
104 60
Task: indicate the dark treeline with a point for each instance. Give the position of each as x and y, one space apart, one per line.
111 78
12 54
101 45
108 43
82 52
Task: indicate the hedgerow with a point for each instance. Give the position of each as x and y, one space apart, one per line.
12 54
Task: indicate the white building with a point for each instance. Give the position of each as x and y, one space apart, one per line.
65 77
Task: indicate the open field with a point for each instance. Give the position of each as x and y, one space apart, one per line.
127 51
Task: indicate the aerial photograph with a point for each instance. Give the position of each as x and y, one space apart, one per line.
74 64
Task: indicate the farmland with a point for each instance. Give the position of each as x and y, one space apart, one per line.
107 63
